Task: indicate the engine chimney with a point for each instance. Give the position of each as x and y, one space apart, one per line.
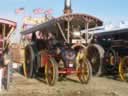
67 8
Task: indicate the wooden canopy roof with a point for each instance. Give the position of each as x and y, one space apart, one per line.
6 26
81 20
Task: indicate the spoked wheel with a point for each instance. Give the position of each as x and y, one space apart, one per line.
123 69
111 57
93 56
84 71
51 70
111 60
29 61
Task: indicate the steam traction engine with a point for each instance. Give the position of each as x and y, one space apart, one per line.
115 44
61 47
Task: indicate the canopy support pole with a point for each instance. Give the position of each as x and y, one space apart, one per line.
68 31
3 34
60 28
86 33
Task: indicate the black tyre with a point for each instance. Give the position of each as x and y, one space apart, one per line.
111 61
93 56
29 61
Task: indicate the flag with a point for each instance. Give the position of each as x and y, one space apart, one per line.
48 12
19 10
38 11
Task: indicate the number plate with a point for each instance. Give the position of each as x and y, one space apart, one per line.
70 65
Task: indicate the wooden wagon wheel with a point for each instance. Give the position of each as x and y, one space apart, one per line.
84 71
29 60
123 69
51 69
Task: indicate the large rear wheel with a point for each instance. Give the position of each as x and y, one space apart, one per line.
29 61
95 55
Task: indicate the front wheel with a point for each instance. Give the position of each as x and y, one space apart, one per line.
123 69
51 71
84 71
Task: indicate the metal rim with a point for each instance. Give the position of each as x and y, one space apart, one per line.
123 69
51 74
84 71
111 57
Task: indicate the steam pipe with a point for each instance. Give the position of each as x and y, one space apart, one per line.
67 8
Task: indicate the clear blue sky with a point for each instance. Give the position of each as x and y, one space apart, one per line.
110 11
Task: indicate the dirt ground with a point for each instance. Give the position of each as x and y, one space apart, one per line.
98 86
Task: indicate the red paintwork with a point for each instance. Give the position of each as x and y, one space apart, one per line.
44 59
68 71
